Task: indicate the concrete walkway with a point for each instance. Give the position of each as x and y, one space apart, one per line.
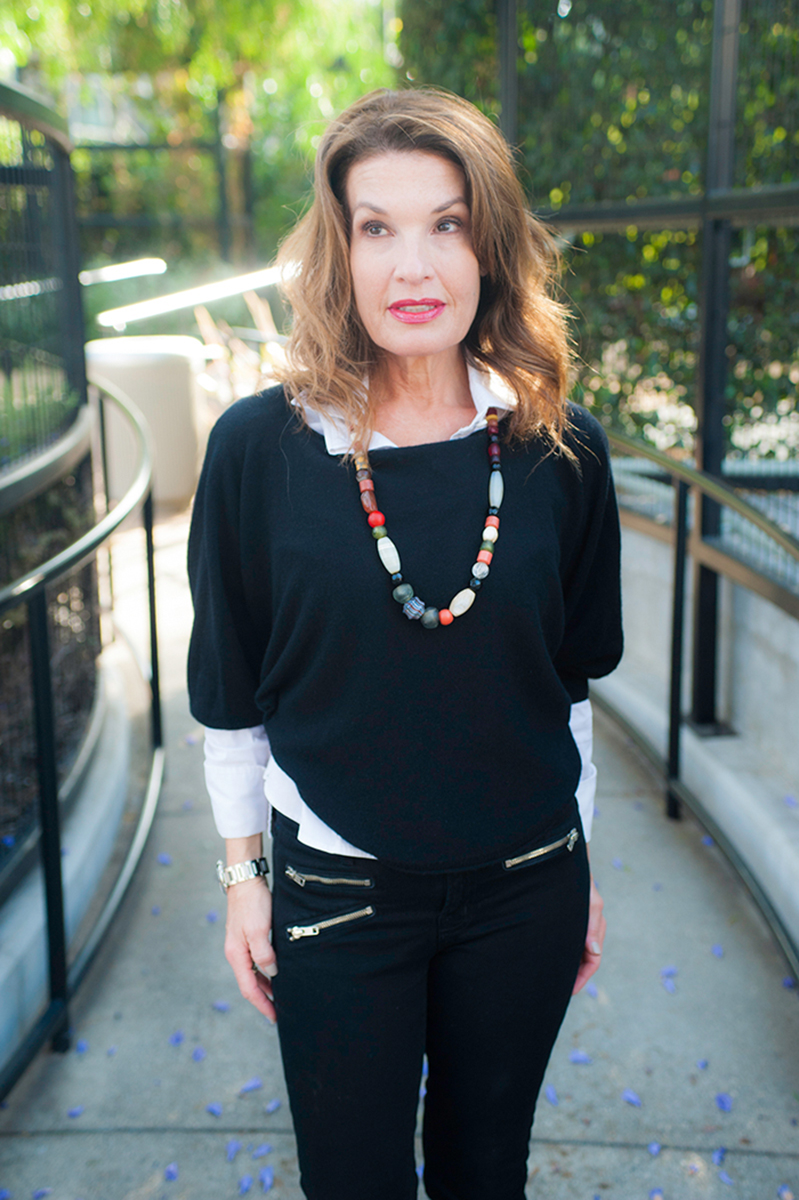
172 1074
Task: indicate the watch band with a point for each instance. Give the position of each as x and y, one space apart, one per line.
241 872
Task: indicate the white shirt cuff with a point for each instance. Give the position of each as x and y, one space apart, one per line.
581 723
235 760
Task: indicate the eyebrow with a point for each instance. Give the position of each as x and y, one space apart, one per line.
375 208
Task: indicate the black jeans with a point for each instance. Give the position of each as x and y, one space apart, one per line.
378 967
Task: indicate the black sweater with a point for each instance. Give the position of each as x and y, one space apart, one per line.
431 749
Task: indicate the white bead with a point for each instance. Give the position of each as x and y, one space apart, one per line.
389 555
460 603
490 533
480 570
496 489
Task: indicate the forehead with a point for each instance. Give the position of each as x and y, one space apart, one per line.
382 175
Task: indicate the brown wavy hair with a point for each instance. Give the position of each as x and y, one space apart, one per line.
520 329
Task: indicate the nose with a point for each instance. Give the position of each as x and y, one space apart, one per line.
413 263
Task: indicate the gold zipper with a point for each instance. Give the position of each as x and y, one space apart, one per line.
301 880
296 932
568 841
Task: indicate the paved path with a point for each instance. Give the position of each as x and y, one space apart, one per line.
161 1033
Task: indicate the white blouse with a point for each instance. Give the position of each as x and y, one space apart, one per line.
242 777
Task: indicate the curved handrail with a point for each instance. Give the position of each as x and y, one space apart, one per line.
21 105
24 587
711 487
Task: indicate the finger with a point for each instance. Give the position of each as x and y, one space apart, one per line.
254 987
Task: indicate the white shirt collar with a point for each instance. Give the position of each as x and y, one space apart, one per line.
488 391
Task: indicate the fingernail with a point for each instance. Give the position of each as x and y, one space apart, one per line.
596 948
270 969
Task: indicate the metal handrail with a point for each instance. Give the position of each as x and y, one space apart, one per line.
711 487
685 478
30 589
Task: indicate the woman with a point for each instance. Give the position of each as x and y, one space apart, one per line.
405 566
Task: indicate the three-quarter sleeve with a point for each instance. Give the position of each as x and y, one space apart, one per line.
592 641
226 647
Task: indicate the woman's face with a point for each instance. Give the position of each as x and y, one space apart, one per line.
415 277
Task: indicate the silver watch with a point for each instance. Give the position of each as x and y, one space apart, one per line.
240 872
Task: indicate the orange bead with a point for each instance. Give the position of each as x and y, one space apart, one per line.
366 485
492 521
485 556
368 502
445 616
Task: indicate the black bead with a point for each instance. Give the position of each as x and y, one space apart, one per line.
397 578
493 512
495 466
475 584
494 437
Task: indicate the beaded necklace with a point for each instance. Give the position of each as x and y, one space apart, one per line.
414 608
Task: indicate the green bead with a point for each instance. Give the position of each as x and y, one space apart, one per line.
379 531
402 593
429 618
488 546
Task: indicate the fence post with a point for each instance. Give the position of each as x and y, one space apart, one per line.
677 625
711 400
155 684
50 817
507 54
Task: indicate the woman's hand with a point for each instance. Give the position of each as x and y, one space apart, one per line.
247 944
594 938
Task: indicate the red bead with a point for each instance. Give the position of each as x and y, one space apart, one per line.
485 556
368 501
494 450
366 485
492 521
445 616
376 518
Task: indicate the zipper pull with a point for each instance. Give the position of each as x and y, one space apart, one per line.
573 839
300 931
295 875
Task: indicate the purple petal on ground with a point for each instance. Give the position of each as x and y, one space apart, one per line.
668 972
214 1109
637 805
187 805
631 1097
656 1194
198 1054
165 859
221 1006
693 1169
654 1149
719 1156
272 1106
724 1177
419 1170
422 1091
176 1038
657 887
789 982
76 1111
252 1085
618 864
580 1057
792 802
40 1193
262 1150
171 1172
156 910
551 1094
81 1046
111 1051
591 989
232 1149
718 950
669 985
702 1063
8 839
245 1183
784 1192
266 1178
724 1102
212 917
5 1194
707 840
190 739
64 851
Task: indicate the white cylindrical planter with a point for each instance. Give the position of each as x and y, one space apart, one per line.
159 373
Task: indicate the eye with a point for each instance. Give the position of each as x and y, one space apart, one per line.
449 225
373 228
